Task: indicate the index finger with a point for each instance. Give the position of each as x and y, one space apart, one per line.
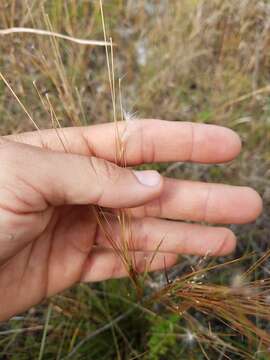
146 141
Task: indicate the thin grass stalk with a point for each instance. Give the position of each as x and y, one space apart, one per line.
50 33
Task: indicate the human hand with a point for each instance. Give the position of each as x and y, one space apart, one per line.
49 238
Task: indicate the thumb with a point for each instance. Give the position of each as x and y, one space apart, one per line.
63 178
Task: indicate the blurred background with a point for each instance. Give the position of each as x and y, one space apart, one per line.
187 60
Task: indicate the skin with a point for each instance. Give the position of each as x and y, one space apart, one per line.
49 238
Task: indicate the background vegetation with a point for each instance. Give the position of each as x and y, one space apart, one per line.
189 60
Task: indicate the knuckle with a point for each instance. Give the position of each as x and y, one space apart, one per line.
106 174
147 146
192 141
141 236
105 170
206 211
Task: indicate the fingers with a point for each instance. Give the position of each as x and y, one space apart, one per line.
104 264
38 177
150 234
146 141
196 201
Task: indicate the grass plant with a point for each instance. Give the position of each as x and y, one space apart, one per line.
200 309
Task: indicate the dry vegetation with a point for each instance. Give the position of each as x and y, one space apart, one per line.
196 60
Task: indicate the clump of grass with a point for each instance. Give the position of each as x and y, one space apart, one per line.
236 306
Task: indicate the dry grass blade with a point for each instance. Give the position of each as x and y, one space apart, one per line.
16 30
45 331
242 98
19 102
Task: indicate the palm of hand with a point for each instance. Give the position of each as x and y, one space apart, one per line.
51 257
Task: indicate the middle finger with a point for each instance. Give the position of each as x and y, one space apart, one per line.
197 201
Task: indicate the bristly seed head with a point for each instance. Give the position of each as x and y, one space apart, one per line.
129 116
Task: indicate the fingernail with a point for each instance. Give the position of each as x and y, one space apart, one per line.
148 177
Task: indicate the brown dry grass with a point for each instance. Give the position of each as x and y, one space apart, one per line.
190 60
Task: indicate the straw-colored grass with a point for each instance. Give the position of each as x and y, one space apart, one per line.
214 317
